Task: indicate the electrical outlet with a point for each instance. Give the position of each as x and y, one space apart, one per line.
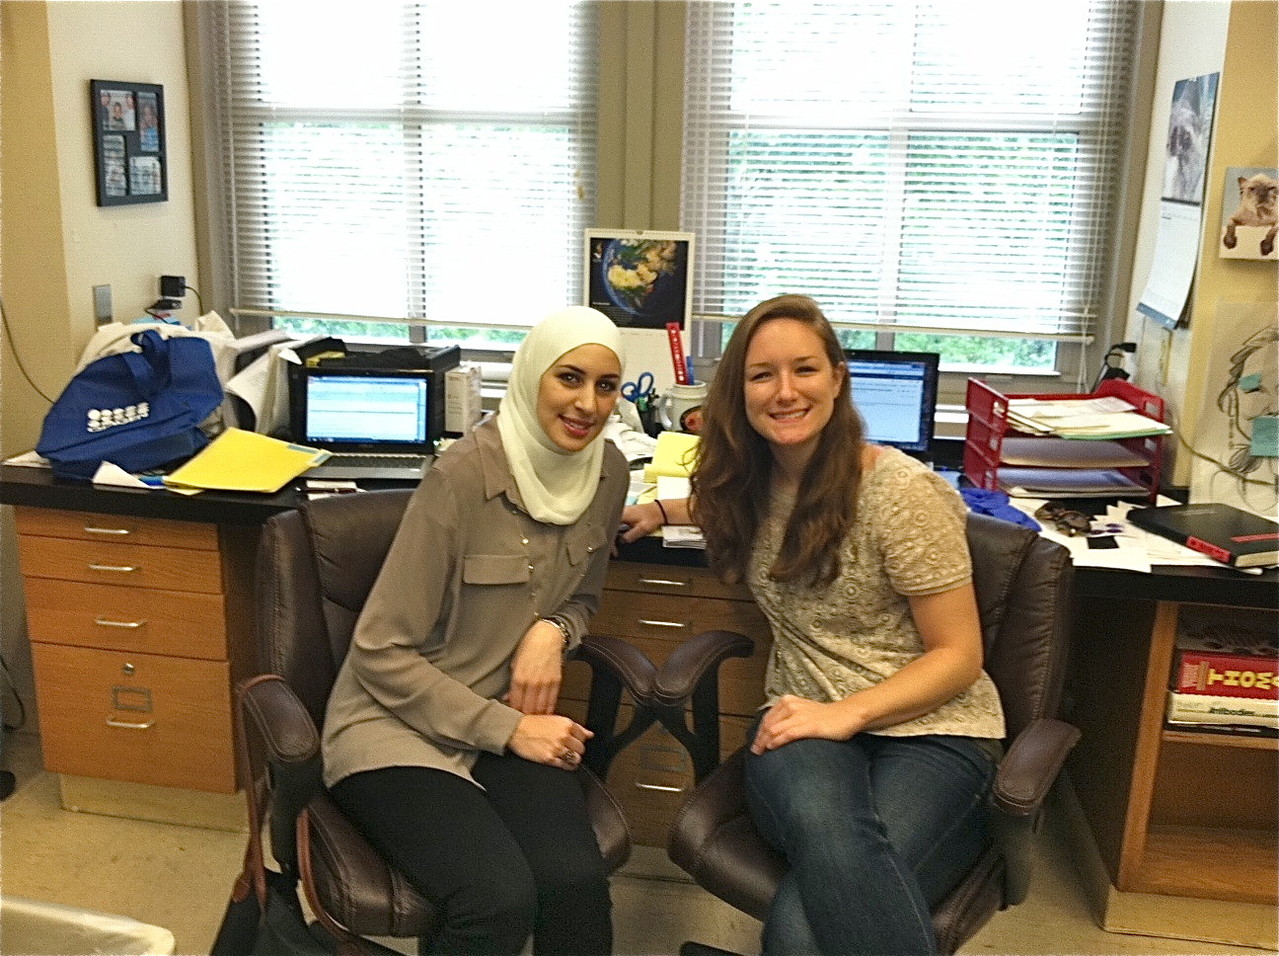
102 303
173 287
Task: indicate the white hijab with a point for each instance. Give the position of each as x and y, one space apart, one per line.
557 485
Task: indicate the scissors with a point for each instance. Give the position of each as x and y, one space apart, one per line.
642 387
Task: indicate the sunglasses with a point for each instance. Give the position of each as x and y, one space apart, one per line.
1068 521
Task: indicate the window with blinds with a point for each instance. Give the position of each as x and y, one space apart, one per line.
938 175
425 160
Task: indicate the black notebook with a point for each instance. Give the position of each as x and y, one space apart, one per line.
1223 532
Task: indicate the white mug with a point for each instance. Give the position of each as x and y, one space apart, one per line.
681 406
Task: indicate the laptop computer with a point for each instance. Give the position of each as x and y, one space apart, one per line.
374 422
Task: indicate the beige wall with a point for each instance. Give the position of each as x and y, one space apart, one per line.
1238 39
55 242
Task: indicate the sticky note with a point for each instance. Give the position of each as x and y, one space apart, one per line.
1265 436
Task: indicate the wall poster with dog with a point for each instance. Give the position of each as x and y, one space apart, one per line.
1248 220
1181 200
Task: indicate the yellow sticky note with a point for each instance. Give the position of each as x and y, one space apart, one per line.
674 456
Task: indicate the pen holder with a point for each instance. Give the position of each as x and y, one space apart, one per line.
681 407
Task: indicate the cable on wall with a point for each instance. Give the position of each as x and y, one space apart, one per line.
8 333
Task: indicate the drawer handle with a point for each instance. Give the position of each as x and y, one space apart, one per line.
664 582
92 530
122 568
129 624
130 725
658 787
662 623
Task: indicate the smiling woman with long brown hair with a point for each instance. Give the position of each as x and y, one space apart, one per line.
870 764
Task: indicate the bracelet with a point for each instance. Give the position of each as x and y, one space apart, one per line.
559 626
665 519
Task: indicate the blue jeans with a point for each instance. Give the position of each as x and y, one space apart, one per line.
875 830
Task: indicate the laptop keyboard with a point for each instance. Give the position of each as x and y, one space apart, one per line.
352 460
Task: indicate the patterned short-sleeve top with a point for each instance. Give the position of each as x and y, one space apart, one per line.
831 641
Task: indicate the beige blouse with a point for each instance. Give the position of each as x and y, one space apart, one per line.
829 642
467 575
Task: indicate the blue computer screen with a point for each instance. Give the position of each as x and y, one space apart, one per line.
896 393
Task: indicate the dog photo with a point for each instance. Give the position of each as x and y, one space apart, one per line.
1189 131
1248 220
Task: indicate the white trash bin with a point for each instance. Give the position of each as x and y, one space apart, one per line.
50 929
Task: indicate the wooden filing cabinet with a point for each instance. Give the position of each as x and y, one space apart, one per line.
139 628
657 607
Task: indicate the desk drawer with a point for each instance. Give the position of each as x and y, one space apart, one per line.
672 581
658 625
89 526
118 563
653 777
141 718
183 623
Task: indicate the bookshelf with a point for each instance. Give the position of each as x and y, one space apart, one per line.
989 426
1173 813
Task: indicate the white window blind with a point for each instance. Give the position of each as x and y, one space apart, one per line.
930 166
404 160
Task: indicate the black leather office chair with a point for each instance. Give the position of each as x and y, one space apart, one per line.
1023 595
315 569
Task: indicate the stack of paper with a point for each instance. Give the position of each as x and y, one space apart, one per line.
678 535
1066 483
1081 418
239 460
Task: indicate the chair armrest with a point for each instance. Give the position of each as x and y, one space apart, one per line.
717 801
681 673
283 726
1030 766
621 658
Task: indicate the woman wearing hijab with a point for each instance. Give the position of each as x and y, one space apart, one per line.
440 741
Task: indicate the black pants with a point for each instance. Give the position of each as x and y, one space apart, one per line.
515 858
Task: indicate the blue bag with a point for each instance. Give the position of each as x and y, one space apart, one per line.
138 410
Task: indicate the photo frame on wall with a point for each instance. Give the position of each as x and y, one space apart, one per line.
128 142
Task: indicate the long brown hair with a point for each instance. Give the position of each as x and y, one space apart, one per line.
731 481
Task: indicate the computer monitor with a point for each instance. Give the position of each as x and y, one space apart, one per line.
896 393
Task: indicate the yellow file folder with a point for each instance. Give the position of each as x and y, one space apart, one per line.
239 460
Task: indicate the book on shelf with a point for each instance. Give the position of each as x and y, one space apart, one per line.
1227 730
1225 533
1214 709
1225 655
1226 675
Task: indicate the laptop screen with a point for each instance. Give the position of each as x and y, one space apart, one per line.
366 409
896 393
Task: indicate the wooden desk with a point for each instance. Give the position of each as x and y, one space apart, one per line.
139 615
1169 817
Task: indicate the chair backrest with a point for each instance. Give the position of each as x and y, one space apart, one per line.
315 569
1023 598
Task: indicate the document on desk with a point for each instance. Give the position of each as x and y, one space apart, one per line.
670 487
239 460
1135 550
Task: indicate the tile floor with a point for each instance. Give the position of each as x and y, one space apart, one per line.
178 877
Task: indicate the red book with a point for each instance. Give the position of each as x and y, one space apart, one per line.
1226 675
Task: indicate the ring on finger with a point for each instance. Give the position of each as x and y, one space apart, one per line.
569 755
